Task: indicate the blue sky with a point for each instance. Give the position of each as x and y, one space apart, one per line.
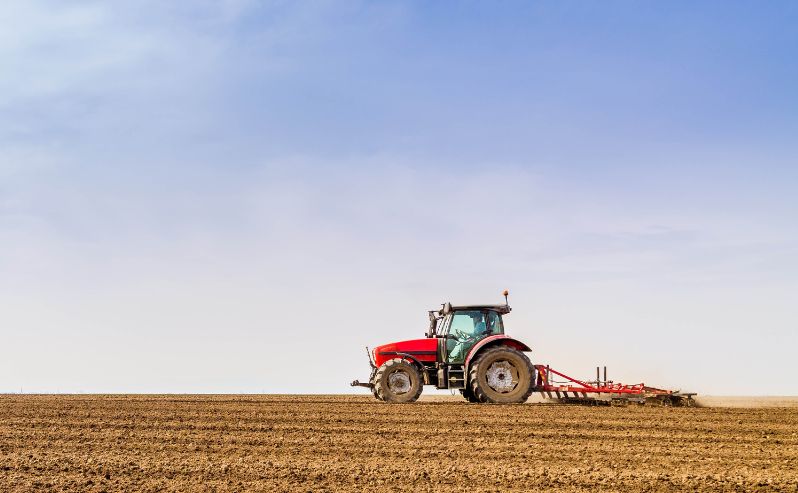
217 196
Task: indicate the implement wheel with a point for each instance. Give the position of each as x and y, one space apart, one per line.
501 374
397 381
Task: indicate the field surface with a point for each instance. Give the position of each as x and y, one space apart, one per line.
335 443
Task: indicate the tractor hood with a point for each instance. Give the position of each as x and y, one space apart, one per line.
419 349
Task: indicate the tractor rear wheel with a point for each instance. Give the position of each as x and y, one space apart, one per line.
398 381
469 396
501 374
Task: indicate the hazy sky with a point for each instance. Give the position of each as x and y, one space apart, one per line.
239 196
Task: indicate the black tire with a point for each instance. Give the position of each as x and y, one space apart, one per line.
374 390
398 381
501 374
469 396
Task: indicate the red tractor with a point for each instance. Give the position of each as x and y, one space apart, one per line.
465 349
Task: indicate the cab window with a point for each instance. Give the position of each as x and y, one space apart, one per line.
495 325
468 324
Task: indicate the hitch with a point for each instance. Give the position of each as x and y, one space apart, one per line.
357 383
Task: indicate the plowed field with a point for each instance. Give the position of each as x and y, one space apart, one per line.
327 443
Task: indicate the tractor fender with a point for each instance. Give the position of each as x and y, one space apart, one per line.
496 340
406 356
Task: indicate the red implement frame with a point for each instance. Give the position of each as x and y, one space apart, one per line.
602 390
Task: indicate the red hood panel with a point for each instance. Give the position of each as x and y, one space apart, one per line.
422 349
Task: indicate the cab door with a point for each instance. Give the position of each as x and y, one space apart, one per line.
442 330
466 328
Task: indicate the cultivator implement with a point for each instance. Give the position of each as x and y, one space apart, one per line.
555 385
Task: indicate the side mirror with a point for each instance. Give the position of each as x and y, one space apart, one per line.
433 323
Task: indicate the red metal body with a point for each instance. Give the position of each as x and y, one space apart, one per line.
420 349
426 350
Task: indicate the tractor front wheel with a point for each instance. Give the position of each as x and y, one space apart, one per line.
501 374
397 381
374 389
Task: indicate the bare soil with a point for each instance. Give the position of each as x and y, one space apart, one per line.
336 443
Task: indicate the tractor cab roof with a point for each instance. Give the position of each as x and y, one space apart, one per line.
502 309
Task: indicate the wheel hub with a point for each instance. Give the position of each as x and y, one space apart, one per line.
502 377
399 382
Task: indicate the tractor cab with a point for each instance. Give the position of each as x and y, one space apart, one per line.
461 327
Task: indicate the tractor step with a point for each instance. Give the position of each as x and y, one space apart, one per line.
456 377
